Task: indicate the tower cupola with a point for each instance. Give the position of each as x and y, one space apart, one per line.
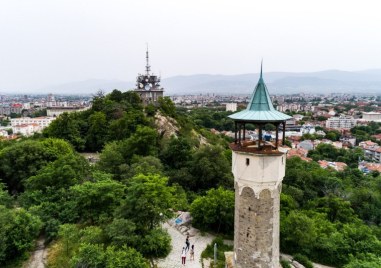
260 111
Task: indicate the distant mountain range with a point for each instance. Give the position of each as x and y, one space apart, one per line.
329 81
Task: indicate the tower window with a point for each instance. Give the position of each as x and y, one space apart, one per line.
247 161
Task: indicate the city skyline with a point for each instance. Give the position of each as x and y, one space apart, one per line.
50 43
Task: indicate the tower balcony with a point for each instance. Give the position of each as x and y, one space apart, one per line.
258 147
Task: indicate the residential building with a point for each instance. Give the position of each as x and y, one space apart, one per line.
57 111
231 107
371 116
372 150
338 166
341 122
42 121
26 129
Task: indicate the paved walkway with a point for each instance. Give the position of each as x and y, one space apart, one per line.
173 260
37 259
316 265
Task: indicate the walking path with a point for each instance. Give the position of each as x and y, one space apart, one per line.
37 259
173 260
316 265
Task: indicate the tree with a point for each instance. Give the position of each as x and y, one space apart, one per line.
116 95
156 243
365 261
125 257
336 208
122 232
143 142
92 235
66 171
177 153
69 234
270 127
89 256
147 201
124 127
67 127
96 201
167 106
333 135
143 165
214 211
24 159
17 233
5 198
298 232
210 168
96 134
111 159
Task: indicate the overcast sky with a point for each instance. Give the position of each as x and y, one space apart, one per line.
49 42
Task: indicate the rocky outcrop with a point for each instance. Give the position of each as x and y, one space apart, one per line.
166 126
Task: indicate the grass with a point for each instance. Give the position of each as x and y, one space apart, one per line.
221 248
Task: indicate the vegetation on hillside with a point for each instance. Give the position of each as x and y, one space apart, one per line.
110 213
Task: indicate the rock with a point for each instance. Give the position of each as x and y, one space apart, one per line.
229 259
192 232
166 126
183 229
297 264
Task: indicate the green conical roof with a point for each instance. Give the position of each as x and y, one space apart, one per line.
260 107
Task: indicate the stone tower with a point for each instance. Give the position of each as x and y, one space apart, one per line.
148 85
258 166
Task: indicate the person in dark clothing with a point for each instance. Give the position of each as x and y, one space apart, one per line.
187 243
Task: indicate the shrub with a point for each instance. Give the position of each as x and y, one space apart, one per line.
303 260
285 264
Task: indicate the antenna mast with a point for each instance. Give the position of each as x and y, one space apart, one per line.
148 68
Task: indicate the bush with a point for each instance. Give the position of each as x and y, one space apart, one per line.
285 264
303 260
221 248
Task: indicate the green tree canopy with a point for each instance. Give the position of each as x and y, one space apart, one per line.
214 211
148 201
24 159
210 168
96 201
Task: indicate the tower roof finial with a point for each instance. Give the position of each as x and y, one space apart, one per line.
148 68
260 107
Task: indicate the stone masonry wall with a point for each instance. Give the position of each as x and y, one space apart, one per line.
254 228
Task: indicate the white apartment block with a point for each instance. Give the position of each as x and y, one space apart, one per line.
26 129
295 107
231 107
42 121
57 111
342 122
371 116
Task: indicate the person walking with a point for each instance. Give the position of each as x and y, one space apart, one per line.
187 243
183 256
191 256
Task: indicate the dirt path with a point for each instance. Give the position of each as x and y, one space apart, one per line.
173 260
37 260
316 265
